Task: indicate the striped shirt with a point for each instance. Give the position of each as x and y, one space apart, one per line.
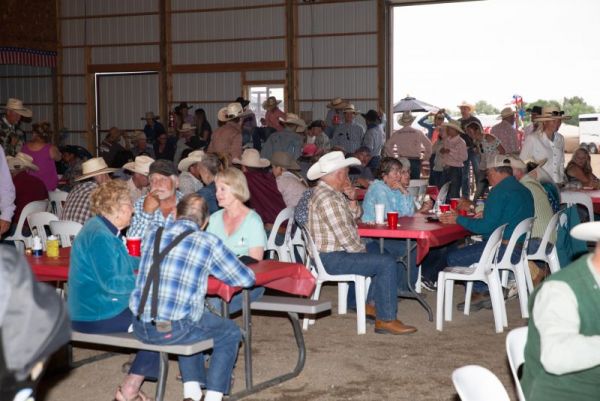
77 205
184 272
331 222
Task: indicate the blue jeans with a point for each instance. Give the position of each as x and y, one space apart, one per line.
145 362
397 248
381 268
226 336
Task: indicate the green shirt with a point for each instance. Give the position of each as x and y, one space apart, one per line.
250 234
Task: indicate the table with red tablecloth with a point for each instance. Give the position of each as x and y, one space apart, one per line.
594 194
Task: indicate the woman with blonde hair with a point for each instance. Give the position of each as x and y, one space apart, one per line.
579 169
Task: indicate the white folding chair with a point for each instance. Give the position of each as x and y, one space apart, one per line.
21 241
506 265
476 383
65 230
38 223
418 189
283 250
515 350
485 270
361 283
578 198
544 254
57 199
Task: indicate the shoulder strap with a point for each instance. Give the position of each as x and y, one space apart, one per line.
154 273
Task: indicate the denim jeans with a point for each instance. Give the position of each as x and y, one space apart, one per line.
381 268
145 362
397 248
226 336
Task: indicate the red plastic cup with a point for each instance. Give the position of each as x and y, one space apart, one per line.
392 218
454 203
134 246
462 212
444 208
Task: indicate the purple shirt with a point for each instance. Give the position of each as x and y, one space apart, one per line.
47 169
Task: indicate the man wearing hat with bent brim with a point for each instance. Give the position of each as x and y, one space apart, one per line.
11 136
138 183
409 142
189 179
140 146
152 128
77 206
333 210
289 183
288 140
348 135
506 132
335 114
227 140
562 361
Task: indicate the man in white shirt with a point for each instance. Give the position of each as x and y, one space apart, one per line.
562 355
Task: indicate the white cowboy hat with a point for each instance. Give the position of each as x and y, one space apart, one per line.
350 109
233 110
337 103
330 162
406 118
587 231
251 158
194 157
467 104
21 161
285 160
454 125
270 102
550 113
140 165
506 112
93 167
291 118
186 127
499 161
16 105
517 163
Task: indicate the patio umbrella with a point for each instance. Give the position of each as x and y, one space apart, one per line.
411 104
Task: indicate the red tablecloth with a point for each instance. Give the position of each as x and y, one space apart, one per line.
292 278
427 235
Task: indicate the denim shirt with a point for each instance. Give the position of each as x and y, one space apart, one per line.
393 200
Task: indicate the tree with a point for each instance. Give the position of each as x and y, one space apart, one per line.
575 106
483 107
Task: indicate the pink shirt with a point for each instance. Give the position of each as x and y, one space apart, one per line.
272 118
458 151
507 135
47 168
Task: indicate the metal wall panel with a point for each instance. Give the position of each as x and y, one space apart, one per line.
72 32
336 51
265 75
79 8
319 109
74 117
73 61
337 18
30 89
123 99
73 89
231 52
72 8
134 29
125 54
195 4
347 83
209 86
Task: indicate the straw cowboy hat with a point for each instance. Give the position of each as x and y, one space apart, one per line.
233 110
140 165
291 118
150 115
350 109
270 102
506 112
16 105
194 157
93 167
337 103
330 162
186 127
587 231
251 158
454 125
467 104
406 118
21 161
550 113
285 160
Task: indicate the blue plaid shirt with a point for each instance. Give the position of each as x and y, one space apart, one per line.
143 222
184 272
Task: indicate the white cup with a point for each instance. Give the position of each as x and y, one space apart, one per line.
379 210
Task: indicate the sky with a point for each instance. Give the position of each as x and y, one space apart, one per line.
493 49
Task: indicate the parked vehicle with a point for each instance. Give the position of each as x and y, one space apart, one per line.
589 131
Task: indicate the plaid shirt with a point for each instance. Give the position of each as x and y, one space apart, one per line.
77 205
142 222
331 222
184 272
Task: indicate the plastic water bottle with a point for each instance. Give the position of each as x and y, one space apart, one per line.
37 249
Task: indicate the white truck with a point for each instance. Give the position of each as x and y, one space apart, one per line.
589 131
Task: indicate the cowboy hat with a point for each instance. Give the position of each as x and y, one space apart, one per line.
406 118
454 125
587 231
499 161
330 162
270 102
193 158
291 118
350 109
186 127
150 115
184 105
285 160
16 105
550 113
251 158
233 110
337 103
140 165
534 110
21 161
506 112
93 167
467 104
242 101
517 163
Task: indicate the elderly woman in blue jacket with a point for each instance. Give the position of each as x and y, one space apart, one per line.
101 279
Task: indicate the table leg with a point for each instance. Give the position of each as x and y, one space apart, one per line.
247 337
163 371
411 293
